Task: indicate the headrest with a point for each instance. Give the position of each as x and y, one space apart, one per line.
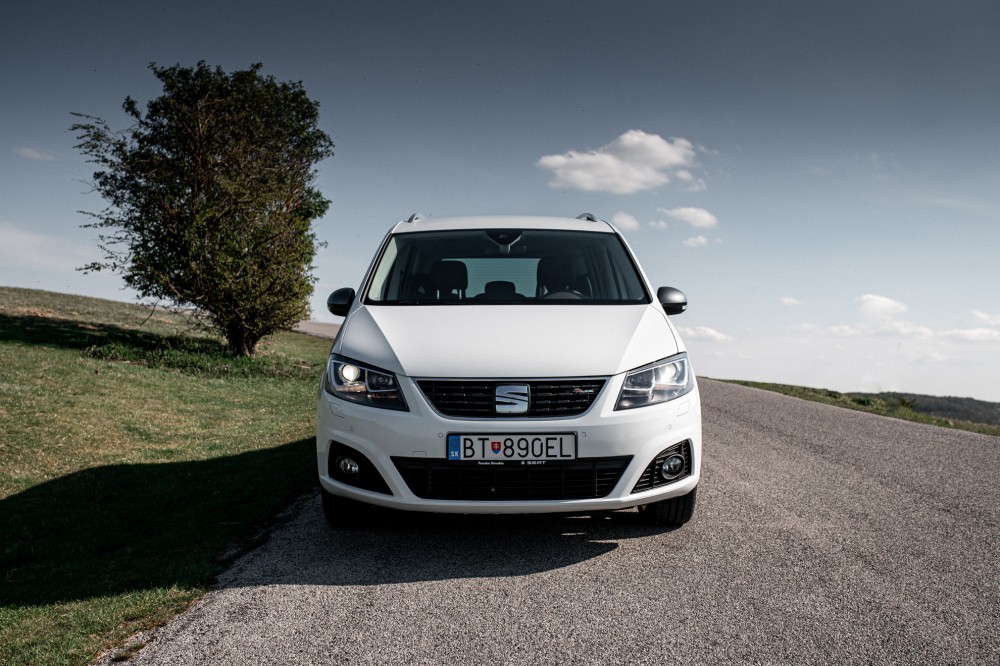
556 273
449 275
500 290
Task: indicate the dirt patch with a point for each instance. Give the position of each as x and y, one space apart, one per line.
31 312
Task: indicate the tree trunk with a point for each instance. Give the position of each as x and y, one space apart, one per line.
241 342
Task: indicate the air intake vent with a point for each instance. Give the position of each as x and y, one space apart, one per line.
585 478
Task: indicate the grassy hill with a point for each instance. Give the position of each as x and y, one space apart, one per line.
962 413
948 408
136 456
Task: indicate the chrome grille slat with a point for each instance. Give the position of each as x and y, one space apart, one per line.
465 398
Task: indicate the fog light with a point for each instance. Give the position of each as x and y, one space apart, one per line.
672 467
348 467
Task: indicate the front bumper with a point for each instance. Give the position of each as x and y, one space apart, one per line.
395 443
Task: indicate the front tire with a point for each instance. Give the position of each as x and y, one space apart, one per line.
672 512
344 512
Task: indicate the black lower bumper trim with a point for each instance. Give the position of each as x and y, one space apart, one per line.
584 478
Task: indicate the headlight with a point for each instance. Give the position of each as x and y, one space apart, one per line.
657 382
363 384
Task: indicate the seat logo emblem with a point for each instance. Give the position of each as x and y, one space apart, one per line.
512 399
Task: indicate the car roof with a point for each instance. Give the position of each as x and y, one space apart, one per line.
418 223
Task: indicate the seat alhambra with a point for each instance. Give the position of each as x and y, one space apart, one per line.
508 365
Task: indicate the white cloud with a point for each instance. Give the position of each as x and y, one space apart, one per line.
34 154
694 184
658 224
973 335
633 162
638 147
992 320
704 333
696 241
625 222
882 313
900 329
788 300
845 331
696 217
906 330
879 306
861 354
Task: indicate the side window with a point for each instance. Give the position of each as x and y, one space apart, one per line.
380 281
618 280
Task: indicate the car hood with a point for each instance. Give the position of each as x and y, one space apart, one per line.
500 341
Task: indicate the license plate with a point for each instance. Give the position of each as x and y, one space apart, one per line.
513 448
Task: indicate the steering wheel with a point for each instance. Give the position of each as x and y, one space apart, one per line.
564 295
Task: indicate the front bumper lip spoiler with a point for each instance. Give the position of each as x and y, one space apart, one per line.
612 503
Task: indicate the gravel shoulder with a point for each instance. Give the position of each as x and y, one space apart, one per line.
318 328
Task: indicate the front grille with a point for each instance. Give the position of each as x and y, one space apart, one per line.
548 398
584 478
651 477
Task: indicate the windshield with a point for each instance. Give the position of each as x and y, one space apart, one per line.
505 266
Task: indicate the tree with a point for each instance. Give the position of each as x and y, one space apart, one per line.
211 199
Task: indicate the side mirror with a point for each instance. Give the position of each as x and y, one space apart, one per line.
673 300
340 301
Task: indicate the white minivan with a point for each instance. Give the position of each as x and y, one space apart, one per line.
508 365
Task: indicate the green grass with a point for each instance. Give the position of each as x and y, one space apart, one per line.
134 454
895 406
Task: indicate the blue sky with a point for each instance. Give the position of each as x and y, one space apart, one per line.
820 178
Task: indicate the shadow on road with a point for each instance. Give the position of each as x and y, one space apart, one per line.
404 547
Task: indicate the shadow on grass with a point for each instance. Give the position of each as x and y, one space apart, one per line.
122 528
191 354
73 334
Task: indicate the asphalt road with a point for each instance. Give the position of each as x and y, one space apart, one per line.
821 536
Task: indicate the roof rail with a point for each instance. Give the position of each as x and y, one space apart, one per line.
589 217
416 217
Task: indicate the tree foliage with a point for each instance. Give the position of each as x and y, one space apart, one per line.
210 197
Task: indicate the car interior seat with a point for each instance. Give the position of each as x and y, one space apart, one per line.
500 290
449 280
555 274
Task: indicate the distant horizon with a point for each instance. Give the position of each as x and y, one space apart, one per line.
329 336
